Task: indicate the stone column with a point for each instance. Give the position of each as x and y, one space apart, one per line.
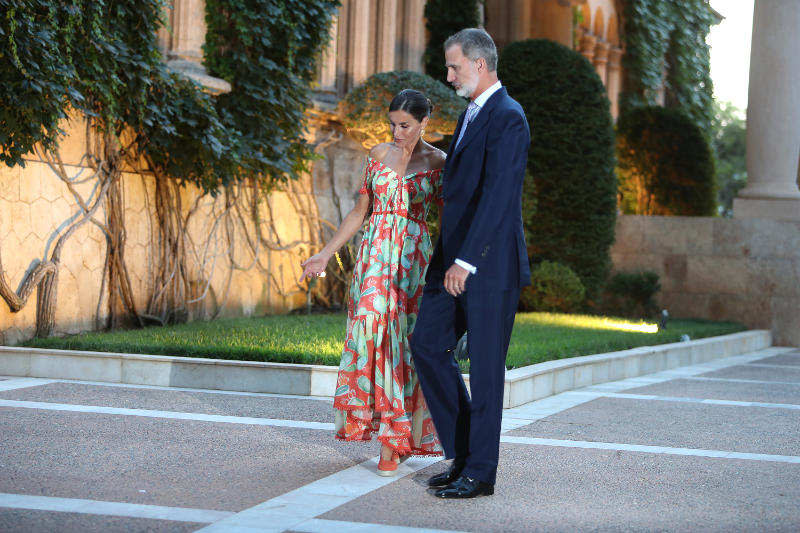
185 50
601 60
521 20
188 30
614 74
497 17
587 44
327 70
343 42
773 114
387 35
414 38
358 46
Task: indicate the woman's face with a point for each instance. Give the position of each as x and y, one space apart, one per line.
405 128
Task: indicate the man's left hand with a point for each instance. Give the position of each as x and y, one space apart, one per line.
454 280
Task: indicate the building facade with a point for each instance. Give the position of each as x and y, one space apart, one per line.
756 252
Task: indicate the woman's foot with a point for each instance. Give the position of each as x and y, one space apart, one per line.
387 465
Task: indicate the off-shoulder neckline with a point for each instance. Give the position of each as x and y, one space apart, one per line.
431 170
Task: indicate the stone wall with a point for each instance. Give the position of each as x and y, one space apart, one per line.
747 270
36 206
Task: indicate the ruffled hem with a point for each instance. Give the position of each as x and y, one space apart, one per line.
400 438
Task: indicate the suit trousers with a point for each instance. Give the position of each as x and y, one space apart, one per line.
468 425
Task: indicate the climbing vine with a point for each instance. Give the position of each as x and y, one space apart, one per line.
98 62
267 50
665 46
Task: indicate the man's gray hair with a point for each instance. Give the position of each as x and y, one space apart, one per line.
475 43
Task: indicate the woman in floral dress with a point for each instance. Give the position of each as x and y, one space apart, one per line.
377 391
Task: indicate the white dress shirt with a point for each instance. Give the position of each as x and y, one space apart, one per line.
480 101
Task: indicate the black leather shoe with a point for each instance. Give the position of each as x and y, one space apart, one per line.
465 487
446 477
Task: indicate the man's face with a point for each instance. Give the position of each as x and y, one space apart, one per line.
462 72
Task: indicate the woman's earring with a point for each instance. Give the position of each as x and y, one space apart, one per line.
422 133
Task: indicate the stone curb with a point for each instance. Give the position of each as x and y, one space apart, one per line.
522 385
538 381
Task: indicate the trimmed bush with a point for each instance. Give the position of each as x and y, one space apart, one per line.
364 109
631 294
665 164
443 18
570 201
554 288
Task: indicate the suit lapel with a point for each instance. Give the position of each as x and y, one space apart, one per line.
480 121
451 151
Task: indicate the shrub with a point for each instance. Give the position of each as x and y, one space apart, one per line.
665 165
571 199
631 294
365 107
554 287
443 18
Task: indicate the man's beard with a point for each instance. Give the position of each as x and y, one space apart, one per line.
466 89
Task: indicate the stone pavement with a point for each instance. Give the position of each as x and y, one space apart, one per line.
712 447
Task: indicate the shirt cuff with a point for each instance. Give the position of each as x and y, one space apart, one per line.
467 266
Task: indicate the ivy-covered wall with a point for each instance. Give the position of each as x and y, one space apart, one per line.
184 202
665 45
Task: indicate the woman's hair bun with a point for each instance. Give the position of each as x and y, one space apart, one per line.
412 102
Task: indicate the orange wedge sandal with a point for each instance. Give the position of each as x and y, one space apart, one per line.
388 467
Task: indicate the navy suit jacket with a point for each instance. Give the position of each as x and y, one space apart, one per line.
482 190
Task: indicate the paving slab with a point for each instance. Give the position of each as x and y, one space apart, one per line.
27 521
760 373
792 358
559 489
679 424
176 400
179 463
719 390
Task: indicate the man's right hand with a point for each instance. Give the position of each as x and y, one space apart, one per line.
455 280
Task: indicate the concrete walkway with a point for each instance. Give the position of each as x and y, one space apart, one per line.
712 447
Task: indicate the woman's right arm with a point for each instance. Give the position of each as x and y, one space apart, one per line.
316 264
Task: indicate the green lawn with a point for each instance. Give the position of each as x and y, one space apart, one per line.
317 339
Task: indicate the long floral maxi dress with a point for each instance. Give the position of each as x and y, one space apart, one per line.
377 389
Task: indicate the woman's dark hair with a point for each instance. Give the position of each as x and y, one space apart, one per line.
412 102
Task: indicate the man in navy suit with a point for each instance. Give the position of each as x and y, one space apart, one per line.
478 267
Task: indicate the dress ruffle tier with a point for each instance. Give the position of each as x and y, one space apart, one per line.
377 389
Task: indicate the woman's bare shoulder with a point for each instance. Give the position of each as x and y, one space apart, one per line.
437 158
380 151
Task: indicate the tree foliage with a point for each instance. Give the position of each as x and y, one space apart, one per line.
729 137
443 18
663 36
569 201
665 164
98 58
101 58
267 50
